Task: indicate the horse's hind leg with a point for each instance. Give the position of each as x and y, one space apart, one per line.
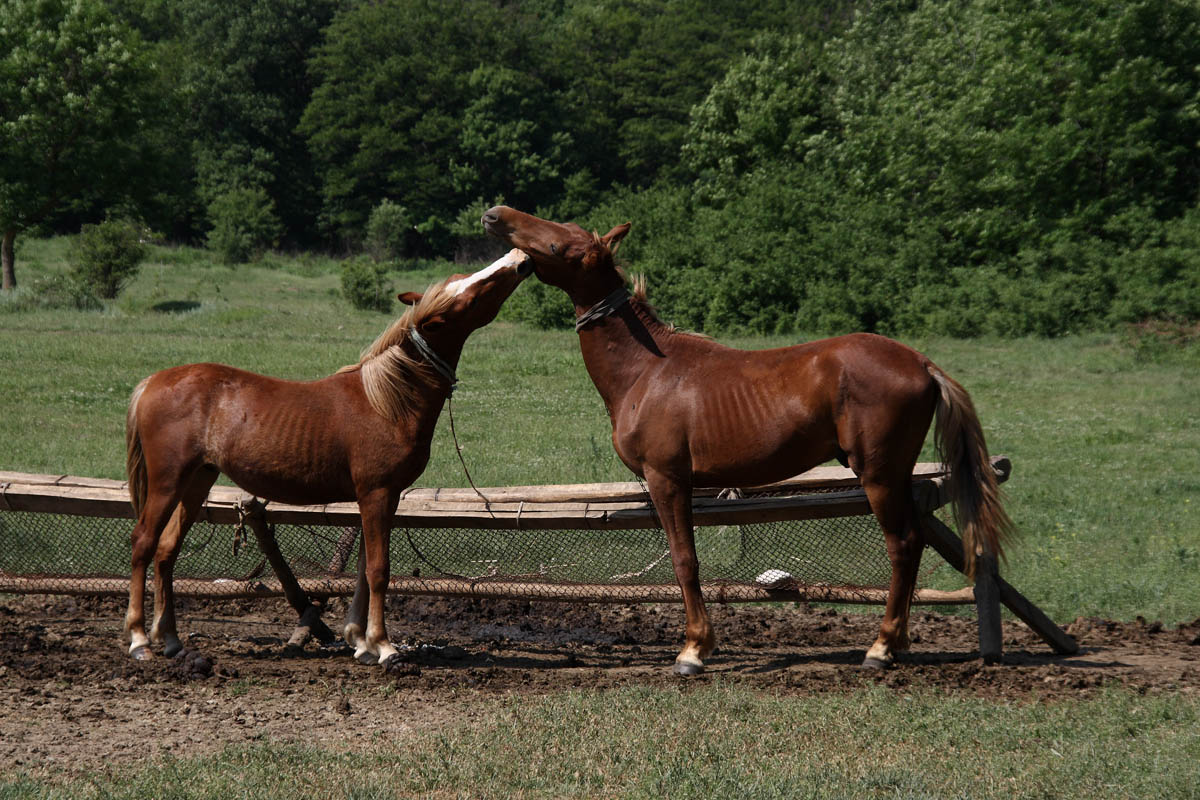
164 627
356 616
156 513
893 507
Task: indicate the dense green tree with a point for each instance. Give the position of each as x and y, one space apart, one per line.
247 85
958 167
393 87
635 69
75 85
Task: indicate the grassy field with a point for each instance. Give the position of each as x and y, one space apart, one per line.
721 742
1104 432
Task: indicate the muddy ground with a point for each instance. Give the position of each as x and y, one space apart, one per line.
70 698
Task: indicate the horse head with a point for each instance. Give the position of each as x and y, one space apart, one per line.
564 254
448 312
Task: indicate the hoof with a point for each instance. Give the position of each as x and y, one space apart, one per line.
141 653
366 658
172 649
687 669
875 663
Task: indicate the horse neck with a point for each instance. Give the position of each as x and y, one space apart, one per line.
619 348
417 394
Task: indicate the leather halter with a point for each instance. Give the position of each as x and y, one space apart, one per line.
608 305
439 364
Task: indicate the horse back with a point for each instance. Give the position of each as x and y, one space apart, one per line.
284 440
738 417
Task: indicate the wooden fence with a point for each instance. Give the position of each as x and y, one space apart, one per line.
825 493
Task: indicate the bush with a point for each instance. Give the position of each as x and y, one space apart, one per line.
365 285
387 231
244 225
541 306
106 256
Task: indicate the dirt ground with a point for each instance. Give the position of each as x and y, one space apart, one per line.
70 698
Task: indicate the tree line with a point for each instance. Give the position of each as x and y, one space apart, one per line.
923 166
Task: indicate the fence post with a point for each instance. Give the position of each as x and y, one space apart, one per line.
253 514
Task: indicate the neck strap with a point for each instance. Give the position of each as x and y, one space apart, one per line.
439 364
608 305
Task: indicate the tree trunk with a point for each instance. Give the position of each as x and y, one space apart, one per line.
6 256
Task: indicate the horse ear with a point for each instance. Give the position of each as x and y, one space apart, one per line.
613 238
409 298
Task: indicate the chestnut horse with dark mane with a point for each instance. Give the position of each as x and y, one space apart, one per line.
361 434
688 412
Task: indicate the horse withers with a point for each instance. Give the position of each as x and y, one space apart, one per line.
361 434
688 412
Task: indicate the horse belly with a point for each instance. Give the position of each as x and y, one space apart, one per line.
747 438
281 453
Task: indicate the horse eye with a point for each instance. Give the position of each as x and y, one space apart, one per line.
553 249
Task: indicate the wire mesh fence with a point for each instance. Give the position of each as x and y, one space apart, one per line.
844 555
809 538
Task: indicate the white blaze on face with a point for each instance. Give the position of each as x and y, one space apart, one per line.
510 259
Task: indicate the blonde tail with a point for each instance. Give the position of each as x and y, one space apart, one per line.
135 460
973 486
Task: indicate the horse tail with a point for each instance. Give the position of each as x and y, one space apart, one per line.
135 459
973 487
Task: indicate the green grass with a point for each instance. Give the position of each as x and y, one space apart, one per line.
717 741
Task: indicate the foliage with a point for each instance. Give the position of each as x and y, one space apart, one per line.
107 256
968 168
388 229
385 117
956 168
244 225
74 92
540 306
365 284
246 78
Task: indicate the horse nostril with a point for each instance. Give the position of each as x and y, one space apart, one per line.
490 217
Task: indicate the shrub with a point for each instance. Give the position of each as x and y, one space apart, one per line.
365 285
106 256
244 225
387 231
544 307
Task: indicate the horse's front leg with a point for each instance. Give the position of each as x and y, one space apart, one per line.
377 509
674 505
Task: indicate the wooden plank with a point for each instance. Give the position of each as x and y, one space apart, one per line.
824 477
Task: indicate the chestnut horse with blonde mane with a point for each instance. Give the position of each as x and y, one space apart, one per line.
688 412
361 434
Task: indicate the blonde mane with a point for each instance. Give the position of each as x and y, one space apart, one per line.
390 377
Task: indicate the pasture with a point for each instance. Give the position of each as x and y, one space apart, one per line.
1103 430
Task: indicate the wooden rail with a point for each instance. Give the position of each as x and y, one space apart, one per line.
830 492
